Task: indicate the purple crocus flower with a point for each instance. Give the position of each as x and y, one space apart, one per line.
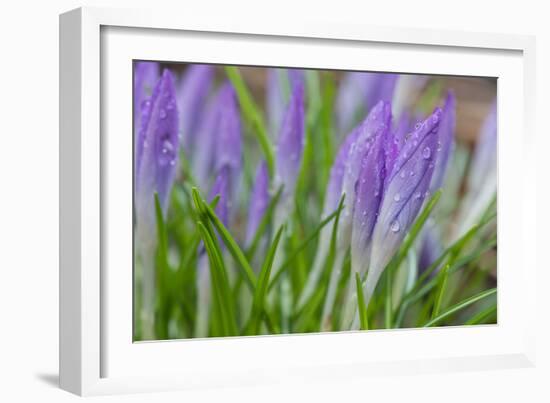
366 156
280 83
369 189
220 135
259 200
156 160
359 92
482 176
291 143
407 188
146 75
193 91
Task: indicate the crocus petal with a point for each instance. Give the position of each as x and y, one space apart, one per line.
259 200
193 91
376 124
407 188
291 142
368 196
146 75
157 150
445 143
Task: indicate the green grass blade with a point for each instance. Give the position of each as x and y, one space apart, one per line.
461 305
220 282
258 301
482 316
441 290
253 116
364 323
230 242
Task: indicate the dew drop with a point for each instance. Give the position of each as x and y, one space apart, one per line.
394 227
402 174
412 173
397 197
426 153
162 113
376 193
417 126
417 195
435 118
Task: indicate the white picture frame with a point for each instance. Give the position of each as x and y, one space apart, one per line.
97 355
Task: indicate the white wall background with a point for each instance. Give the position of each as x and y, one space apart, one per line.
29 198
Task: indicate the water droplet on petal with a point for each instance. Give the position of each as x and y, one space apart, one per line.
162 113
412 173
402 174
397 197
426 153
394 227
417 195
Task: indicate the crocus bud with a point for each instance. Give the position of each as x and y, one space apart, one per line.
280 83
407 188
156 160
220 138
157 146
193 91
369 190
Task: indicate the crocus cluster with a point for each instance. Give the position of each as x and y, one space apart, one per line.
387 174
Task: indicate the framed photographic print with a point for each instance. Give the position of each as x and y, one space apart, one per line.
244 202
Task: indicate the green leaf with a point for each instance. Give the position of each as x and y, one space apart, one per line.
261 289
461 305
361 303
253 116
231 244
